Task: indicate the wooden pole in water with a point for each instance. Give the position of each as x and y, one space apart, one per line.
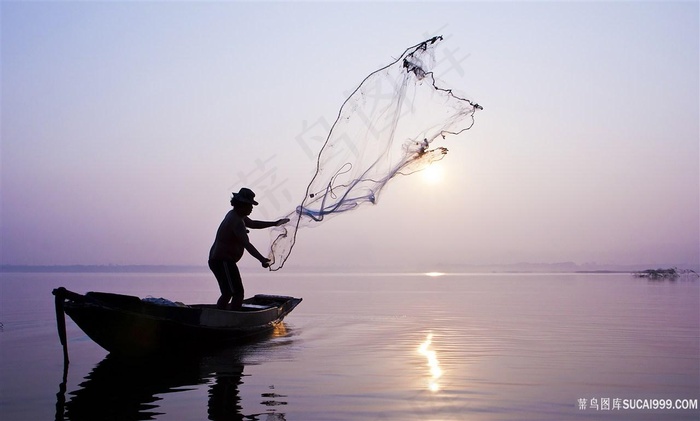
61 323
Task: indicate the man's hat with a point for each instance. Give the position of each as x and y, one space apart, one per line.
244 195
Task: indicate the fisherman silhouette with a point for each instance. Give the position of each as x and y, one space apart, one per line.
230 242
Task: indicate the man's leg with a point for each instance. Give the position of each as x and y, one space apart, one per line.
236 285
218 267
222 302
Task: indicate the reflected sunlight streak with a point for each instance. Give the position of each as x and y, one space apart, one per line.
431 356
280 330
434 274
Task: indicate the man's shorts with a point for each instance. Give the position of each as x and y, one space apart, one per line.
228 276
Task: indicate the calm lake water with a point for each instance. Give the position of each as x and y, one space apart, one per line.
375 347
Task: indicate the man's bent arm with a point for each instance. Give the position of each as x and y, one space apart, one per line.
255 253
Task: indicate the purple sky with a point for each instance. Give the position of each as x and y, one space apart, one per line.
125 127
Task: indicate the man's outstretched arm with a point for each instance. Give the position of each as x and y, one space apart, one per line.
251 223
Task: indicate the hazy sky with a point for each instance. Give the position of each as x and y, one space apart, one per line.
126 125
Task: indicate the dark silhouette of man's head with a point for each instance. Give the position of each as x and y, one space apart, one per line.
243 201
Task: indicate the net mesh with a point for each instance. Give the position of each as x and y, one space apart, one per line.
386 126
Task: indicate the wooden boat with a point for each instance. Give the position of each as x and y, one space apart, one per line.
128 325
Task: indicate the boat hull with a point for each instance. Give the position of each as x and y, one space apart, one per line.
127 325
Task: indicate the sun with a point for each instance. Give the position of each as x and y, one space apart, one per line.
433 174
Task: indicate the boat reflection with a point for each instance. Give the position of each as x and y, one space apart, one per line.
129 389
432 361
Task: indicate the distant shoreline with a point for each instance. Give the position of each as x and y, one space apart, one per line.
102 269
438 269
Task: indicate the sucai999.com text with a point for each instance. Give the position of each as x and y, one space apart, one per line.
620 404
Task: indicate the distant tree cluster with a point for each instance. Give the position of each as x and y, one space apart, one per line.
666 274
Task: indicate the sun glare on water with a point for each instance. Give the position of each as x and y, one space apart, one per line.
432 361
434 274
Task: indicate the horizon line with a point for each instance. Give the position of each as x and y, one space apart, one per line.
520 267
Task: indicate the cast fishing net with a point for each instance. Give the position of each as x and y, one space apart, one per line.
386 127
